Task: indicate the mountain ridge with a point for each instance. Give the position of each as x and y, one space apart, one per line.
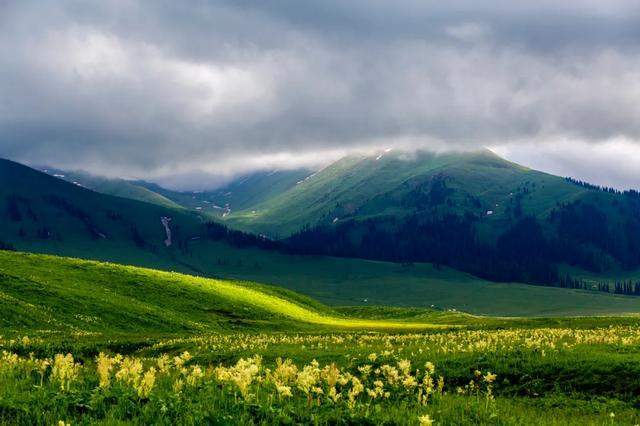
472 211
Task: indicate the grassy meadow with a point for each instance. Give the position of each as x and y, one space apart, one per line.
97 343
348 282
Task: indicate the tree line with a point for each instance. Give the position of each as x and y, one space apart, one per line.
628 192
524 252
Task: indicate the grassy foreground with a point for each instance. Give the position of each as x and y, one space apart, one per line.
93 343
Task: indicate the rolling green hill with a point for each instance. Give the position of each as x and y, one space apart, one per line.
355 282
51 294
346 282
39 292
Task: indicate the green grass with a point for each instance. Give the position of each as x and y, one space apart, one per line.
341 281
69 295
349 282
550 371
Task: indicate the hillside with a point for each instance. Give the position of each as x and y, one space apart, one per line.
355 282
473 211
348 281
39 292
46 214
241 193
118 187
400 184
468 210
49 215
66 295
96 343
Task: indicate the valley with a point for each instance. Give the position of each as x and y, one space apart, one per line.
143 306
468 211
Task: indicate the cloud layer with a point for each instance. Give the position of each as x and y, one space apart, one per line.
133 88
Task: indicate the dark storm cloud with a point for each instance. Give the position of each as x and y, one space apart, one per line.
134 88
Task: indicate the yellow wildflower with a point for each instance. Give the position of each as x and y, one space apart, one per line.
178 385
195 375
104 365
430 367
404 365
64 370
489 377
425 420
284 391
145 386
334 394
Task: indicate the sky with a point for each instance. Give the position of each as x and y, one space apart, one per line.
177 90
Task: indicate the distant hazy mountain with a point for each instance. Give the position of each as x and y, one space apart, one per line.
118 187
241 193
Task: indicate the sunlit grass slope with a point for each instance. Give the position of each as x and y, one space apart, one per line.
342 281
39 292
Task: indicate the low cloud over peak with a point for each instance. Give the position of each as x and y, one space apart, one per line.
152 88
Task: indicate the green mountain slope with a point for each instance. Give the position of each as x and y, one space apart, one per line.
471 210
69 295
255 188
241 193
118 187
399 184
44 213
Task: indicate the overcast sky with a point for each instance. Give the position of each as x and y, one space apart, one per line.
157 88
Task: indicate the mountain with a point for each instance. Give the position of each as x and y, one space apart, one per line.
399 184
46 214
473 211
241 193
118 187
